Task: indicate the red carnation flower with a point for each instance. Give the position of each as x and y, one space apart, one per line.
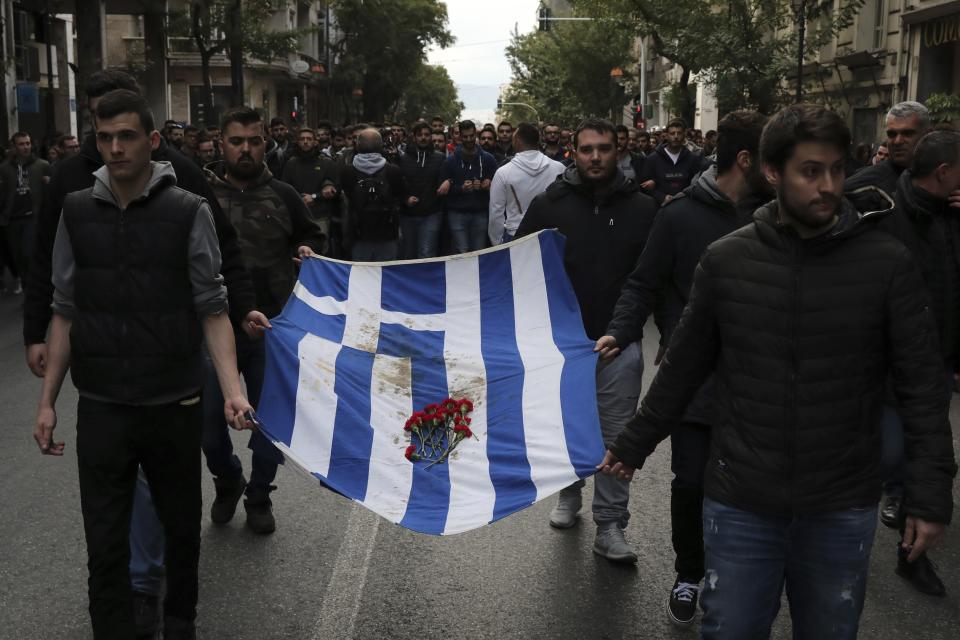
465 405
411 452
431 408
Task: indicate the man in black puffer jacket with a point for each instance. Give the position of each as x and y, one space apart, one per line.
801 315
421 215
720 201
606 220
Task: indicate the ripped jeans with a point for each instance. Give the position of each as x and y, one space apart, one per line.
822 560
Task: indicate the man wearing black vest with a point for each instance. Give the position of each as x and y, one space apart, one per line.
137 289
75 174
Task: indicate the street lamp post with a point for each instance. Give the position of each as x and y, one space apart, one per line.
800 8
501 104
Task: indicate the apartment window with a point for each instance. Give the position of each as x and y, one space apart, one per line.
872 26
880 25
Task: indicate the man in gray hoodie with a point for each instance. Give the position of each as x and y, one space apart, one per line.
517 183
374 189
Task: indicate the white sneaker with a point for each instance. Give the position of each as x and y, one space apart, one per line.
611 544
564 515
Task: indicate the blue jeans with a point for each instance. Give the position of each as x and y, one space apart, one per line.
146 541
468 230
420 235
217 446
822 560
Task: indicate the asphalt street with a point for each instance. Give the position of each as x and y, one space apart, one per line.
333 570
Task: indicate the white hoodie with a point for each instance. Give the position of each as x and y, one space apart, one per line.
529 173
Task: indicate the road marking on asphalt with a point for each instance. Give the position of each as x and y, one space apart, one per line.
341 600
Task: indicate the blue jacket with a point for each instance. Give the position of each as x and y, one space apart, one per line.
457 171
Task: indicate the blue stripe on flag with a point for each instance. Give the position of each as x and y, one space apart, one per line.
352 433
506 447
578 401
303 316
278 398
430 489
326 278
415 288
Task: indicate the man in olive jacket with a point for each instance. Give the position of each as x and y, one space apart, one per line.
801 316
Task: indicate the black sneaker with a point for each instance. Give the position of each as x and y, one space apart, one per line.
890 512
146 615
260 514
229 492
177 629
921 574
683 602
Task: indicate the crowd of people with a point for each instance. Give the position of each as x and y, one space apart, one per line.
810 326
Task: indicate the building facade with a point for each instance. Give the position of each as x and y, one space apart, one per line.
122 34
894 50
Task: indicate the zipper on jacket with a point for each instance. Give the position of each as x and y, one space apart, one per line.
793 422
124 329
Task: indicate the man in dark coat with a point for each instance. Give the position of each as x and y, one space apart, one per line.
421 217
606 220
316 178
925 223
273 227
906 123
720 201
671 167
801 316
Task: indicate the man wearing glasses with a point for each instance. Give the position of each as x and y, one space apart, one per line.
275 231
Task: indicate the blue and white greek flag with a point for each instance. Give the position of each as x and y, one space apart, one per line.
360 346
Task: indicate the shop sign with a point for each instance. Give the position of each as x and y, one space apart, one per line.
942 31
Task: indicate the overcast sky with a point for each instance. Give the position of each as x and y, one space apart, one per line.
476 61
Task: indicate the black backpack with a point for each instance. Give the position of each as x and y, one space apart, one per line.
374 207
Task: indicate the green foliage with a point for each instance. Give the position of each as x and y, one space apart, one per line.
383 48
564 73
944 107
744 48
209 22
431 92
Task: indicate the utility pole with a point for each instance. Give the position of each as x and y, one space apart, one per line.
800 7
236 53
51 107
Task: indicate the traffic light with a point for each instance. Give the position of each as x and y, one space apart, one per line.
499 104
296 116
638 120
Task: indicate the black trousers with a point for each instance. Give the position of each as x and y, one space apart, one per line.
112 440
690 451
